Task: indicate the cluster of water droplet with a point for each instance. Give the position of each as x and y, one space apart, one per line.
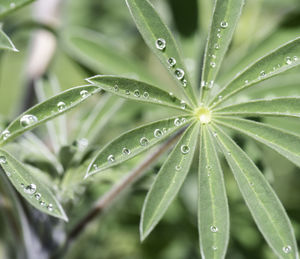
179 73
179 122
5 135
136 93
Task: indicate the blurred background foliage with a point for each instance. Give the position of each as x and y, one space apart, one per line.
99 37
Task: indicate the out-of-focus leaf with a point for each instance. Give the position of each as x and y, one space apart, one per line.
7 6
34 191
168 181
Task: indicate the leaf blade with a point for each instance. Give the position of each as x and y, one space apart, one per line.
213 212
47 110
155 32
6 43
7 7
123 147
279 60
285 143
34 191
264 205
137 91
167 184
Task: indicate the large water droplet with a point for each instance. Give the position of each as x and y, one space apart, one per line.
5 134
3 160
185 149
179 73
30 189
111 158
28 120
144 141
146 95
158 133
84 94
136 93
172 62
214 229
160 44
177 122
126 151
61 106
224 24
287 249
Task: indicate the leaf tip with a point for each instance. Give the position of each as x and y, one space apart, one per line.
90 79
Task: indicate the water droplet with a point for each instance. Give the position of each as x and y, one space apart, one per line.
213 56
214 248
178 167
224 24
251 183
5 134
158 133
95 166
184 83
22 185
160 44
214 229
37 196
246 81
216 46
165 130
179 73
185 149
229 153
146 95
287 249
183 120
172 62
212 64
28 120
42 203
8 174
111 158
215 134
208 167
144 141
127 92
84 93
288 60
12 5
220 97
50 207
136 93
177 122
126 151
203 83
182 105
295 58
116 88
3 160
219 35
61 106
30 189
262 73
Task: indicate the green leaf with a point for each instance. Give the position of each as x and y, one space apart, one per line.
134 142
138 91
225 18
281 59
101 54
7 6
264 205
285 143
33 190
168 181
160 40
287 106
47 110
213 213
6 43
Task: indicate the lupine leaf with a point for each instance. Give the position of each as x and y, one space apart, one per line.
213 213
138 91
160 40
7 6
264 205
168 181
5 42
47 110
225 18
281 59
285 143
287 106
134 142
34 191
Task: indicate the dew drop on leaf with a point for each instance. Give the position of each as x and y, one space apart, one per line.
177 122
295 58
30 189
116 88
50 207
28 120
184 83
172 62
177 167
111 158
146 95
214 229
214 248
182 105
179 73
136 93
37 196
42 203
84 93
216 46
126 151
158 133
287 249
212 64
3 160
185 149
224 24
12 5
160 44
246 81
144 141
5 134
262 73
127 92
288 60
61 106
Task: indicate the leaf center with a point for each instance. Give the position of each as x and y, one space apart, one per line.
203 114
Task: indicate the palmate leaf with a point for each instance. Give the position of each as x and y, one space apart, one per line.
225 18
160 40
281 59
138 91
135 141
264 205
34 191
169 180
7 6
287 107
285 143
5 42
47 110
213 213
